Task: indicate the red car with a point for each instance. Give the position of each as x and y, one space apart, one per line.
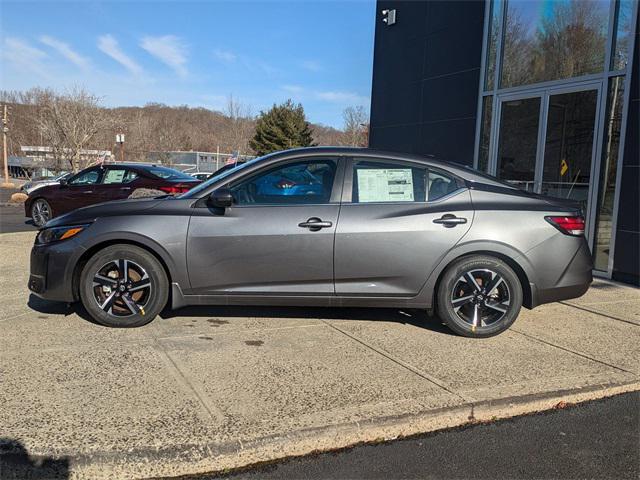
101 184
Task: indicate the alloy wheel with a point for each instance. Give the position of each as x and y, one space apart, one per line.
480 298
122 288
41 212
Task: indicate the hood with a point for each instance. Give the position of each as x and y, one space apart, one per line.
107 209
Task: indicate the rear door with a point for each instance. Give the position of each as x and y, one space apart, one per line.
397 220
116 183
277 237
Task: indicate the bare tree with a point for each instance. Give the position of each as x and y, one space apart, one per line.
70 122
356 123
239 125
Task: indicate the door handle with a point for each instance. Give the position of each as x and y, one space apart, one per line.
314 224
449 220
88 191
125 188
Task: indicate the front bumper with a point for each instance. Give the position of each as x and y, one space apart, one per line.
52 269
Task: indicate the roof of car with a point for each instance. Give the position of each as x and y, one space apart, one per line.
462 170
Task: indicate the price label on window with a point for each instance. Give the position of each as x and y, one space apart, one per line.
385 185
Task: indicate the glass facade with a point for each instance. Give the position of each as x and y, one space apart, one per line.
608 173
552 106
549 40
622 34
485 133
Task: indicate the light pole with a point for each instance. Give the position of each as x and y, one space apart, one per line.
5 130
120 140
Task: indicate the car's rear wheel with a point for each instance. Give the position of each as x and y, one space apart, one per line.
123 286
479 296
41 212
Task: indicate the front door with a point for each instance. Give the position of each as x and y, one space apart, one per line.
276 239
80 190
546 142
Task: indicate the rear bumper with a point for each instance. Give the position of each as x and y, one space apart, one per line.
574 281
51 274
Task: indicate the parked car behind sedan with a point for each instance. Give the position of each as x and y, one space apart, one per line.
384 230
32 185
103 183
202 176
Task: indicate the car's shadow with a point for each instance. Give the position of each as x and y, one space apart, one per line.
417 318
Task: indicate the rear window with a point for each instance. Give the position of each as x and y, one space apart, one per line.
168 173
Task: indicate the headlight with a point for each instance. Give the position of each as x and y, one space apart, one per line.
55 234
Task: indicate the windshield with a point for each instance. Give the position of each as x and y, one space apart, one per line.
218 175
168 173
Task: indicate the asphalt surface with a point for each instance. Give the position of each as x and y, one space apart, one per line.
12 219
599 439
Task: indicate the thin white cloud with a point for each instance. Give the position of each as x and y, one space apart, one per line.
342 97
225 55
109 46
65 50
311 65
170 50
296 89
24 57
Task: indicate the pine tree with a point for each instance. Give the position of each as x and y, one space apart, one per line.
281 128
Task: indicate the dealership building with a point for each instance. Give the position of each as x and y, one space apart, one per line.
540 93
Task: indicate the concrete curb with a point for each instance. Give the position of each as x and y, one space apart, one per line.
219 457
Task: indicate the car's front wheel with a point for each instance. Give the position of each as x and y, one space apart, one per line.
479 296
123 286
41 212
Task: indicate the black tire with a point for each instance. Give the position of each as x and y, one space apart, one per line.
464 303
133 303
38 209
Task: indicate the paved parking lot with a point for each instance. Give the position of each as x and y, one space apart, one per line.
206 389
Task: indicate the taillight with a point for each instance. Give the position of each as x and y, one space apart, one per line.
175 189
568 225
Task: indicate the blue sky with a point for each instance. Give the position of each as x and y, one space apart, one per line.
195 53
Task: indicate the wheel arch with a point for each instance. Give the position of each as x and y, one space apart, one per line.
33 201
91 251
512 257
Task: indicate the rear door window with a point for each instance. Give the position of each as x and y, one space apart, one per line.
385 181
118 175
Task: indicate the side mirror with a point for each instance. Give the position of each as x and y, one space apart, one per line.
62 182
221 198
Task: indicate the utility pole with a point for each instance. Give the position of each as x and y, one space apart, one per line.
5 130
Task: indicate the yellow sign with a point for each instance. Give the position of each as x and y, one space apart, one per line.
564 167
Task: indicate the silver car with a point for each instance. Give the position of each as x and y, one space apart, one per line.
33 185
322 227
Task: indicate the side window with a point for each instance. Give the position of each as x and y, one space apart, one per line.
440 184
388 181
118 175
380 181
89 177
304 182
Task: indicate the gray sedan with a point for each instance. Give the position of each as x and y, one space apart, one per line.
322 227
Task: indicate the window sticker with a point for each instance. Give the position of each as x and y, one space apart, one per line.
114 176
385 185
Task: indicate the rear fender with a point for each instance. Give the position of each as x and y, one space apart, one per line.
499 250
